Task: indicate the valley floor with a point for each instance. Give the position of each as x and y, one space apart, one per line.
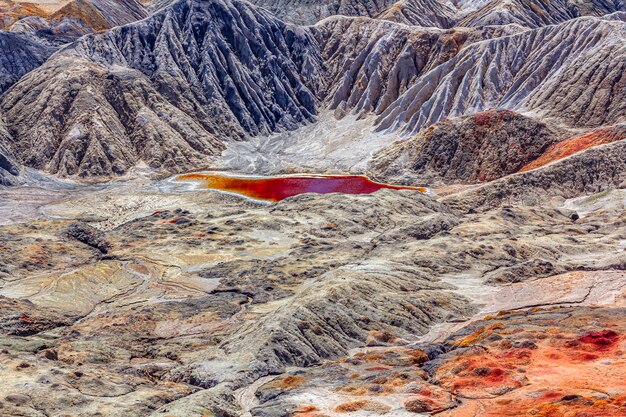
152 298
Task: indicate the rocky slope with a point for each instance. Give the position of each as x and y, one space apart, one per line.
162 90
432 13
190 306
369 64
539 71
20 55
230 81
243 69
79 17
595 170
576 144
534 14
515 363
477 148
69 20
11 12
154 5
499 290
74 117
10 169
308 13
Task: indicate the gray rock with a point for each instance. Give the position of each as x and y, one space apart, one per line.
163 90
10 168
20 55
540 71
421 13
307 13
534 14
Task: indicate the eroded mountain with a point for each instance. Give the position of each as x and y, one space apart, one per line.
223 81
66 20
165 90
492 282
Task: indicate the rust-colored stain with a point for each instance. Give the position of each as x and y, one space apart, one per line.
279 188
573 145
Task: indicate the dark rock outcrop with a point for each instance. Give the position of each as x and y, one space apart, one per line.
89 236
23 318
477 148
20 55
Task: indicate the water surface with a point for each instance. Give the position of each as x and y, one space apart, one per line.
279 188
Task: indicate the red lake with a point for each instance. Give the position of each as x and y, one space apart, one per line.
279 188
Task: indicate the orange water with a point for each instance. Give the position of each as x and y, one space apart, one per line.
279 188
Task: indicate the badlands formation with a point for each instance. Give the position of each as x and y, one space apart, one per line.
468 258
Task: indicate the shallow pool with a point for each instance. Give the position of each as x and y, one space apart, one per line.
279 188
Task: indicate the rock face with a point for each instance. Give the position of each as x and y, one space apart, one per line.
369 63
242 69
442 14
74 117
64 21
162 91
169 89
20 55
539 71
307 13
592 171
10 169
477 148
534 14
420 13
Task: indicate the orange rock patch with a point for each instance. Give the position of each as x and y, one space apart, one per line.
577 144
362 405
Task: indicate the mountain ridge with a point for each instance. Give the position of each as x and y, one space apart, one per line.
249 74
